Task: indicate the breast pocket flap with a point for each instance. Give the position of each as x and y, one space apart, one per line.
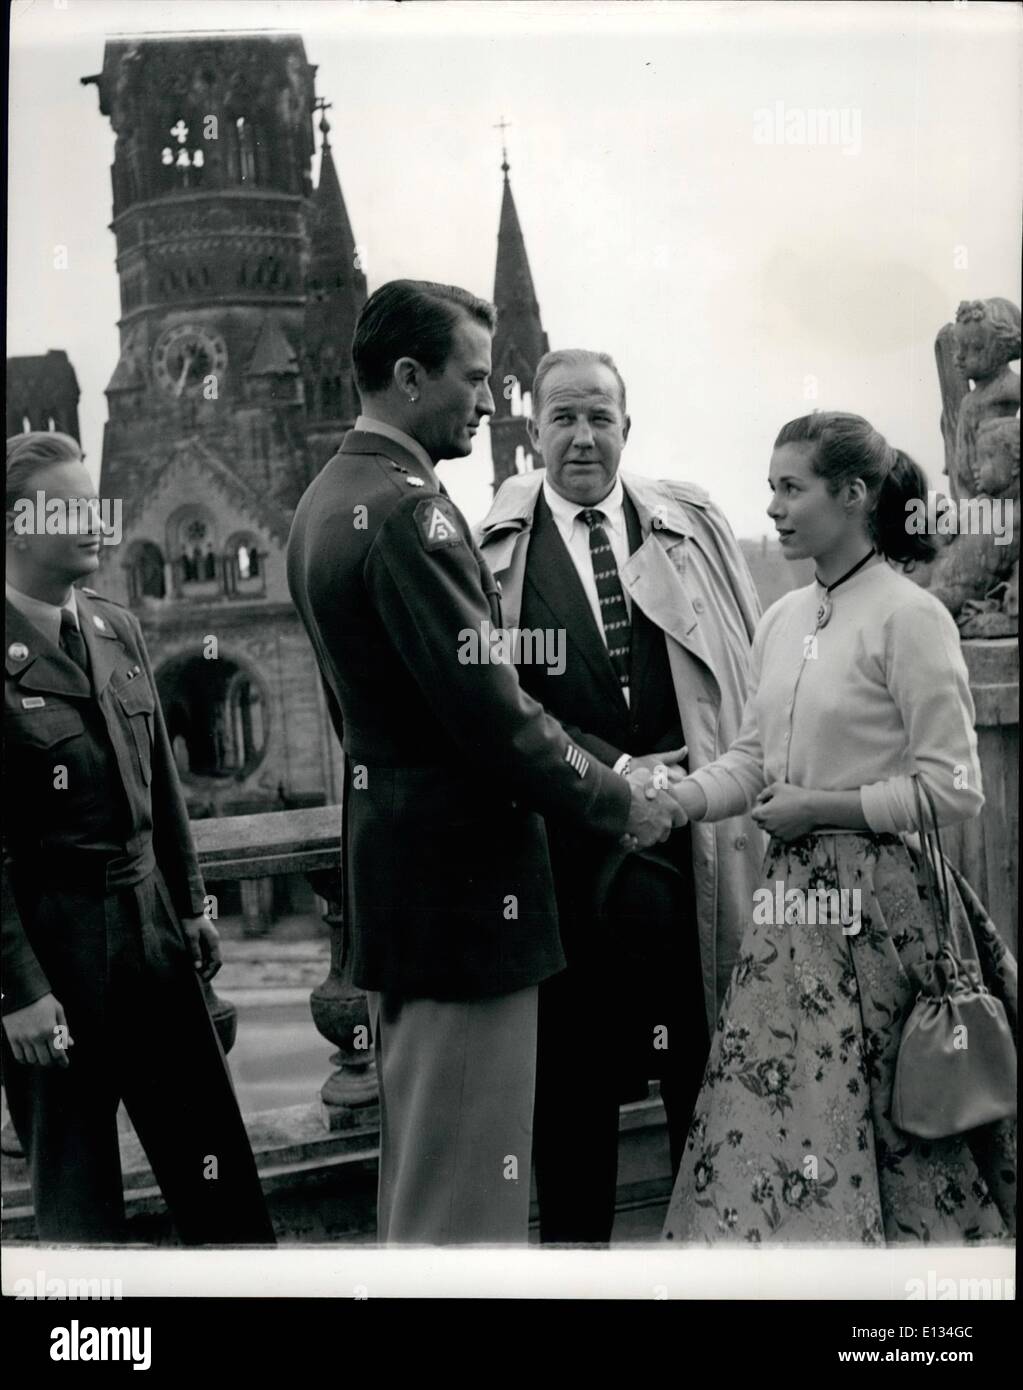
44 727
135 697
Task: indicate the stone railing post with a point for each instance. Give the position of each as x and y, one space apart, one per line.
349 1096
985 849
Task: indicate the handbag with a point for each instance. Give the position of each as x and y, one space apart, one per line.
956 1068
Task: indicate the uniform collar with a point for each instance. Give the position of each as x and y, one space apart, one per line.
45 616
370 425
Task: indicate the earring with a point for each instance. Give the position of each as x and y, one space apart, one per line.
412 399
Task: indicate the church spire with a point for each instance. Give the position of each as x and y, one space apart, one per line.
332 231
519 343
335 292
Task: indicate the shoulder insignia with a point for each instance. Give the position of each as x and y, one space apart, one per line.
91 593
437 523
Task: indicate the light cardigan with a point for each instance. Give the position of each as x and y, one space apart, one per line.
879 693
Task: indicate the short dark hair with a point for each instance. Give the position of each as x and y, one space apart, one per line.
574 357
843 447
411 318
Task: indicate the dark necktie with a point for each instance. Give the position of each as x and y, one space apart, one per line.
72 643
614 612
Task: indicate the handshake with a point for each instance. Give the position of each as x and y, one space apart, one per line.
657 806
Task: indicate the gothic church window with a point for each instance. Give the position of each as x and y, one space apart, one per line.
145 572
244 566
246 151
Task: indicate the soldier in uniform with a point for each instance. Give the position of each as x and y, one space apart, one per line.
450 906
102 1000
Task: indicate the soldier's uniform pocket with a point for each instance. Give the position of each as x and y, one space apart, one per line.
42 728
138 704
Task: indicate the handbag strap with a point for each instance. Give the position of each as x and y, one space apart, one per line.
930 844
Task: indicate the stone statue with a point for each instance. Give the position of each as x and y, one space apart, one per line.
976 575
979 348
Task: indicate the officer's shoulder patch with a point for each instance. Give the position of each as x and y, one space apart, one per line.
437 523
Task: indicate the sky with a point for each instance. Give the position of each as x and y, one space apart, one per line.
678 210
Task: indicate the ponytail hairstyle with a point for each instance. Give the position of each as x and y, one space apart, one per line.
32 453
845 447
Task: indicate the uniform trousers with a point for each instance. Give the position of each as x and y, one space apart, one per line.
119 965
456 1117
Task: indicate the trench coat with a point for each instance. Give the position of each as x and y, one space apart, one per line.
691 580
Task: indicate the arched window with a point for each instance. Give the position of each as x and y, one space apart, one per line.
246 139
244 566
192 543
216 716
145 572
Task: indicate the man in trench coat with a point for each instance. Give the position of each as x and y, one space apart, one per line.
658 607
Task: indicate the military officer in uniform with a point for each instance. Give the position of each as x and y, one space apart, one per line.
449 902
102 1000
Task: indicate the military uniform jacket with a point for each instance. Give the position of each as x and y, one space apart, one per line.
447 875
92 779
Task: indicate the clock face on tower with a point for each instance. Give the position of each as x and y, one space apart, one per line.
185 355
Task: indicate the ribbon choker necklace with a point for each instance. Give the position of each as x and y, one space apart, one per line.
824 611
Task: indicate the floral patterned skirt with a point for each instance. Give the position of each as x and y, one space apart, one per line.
791 1139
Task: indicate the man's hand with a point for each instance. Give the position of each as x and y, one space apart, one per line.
652 761
38 1034
204 943
653 814
786 812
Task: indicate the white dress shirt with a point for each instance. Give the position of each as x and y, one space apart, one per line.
576 535
44 616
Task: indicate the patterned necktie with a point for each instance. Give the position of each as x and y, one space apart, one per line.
613 609
72 643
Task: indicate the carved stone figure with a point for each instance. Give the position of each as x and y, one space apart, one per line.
985 339
977 575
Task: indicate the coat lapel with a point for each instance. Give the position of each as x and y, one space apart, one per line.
552 575
104 646
43 666
654 576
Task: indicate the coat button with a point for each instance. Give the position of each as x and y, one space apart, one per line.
741 842
697 605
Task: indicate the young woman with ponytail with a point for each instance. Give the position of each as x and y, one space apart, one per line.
857 684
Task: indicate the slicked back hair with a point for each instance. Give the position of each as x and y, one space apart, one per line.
411 318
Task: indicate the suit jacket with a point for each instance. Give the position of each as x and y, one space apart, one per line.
587 697
122 797
690 580
447 878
